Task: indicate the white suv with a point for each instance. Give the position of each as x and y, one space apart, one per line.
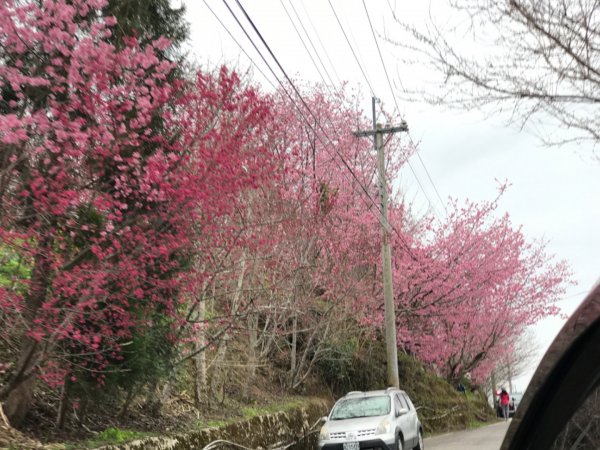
385 420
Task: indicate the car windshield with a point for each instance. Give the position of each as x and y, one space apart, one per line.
361 407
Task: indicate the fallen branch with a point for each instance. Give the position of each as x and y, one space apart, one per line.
441 416
214 444
4 419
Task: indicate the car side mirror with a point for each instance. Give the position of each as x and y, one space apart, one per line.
323 419
401 411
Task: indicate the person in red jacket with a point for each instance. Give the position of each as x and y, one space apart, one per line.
504 401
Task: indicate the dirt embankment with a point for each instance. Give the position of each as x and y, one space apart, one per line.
441 408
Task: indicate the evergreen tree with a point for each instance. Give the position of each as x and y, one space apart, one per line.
148 20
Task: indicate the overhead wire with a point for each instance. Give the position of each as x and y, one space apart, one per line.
367 81
395 101
428 174
251 59
305 46
393 10
351 48
398 108
291 83
313 47
238 44
373 94
373 203
311 42
320 42
299 95
363 188
314 63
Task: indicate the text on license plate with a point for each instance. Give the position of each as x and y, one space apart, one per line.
351 446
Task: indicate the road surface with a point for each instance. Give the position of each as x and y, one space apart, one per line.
485 438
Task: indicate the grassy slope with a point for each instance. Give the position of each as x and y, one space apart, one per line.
441 407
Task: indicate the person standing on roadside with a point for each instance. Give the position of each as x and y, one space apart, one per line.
504 401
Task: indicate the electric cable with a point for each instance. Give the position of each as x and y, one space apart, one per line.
398 108
239 45
305 46
372 204
311 42
352 49
320 42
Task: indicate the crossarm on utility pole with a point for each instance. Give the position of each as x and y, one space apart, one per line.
403 127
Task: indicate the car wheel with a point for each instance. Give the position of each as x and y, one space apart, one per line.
421 444
399 442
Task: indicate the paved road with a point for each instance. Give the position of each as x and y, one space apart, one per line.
485 438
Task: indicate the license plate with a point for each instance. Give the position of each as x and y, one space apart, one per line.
351 446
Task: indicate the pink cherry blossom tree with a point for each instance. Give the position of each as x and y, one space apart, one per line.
108 170
470 287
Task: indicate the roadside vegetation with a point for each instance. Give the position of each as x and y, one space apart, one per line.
180 248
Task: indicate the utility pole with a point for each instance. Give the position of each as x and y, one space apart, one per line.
388 290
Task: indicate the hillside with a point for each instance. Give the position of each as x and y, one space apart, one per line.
441 407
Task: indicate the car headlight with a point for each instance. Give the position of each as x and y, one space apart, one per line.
384 427
324 433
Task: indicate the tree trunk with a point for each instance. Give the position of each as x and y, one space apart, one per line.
252 351
510 377
294 345
494 388
63 406
19 391
218 378
83 409
131 393
18 402
200 380
219 375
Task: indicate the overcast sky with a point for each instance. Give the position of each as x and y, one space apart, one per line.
554 191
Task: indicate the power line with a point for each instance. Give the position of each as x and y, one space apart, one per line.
428 175
363 188
305 46
239 45
292 84
364 74
396 102
352 49
314 63
297 93
398 108
299 110
380 55
403 88
320 41
311 42
299 96
287 93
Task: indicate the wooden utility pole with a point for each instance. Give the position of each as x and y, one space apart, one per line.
388 290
